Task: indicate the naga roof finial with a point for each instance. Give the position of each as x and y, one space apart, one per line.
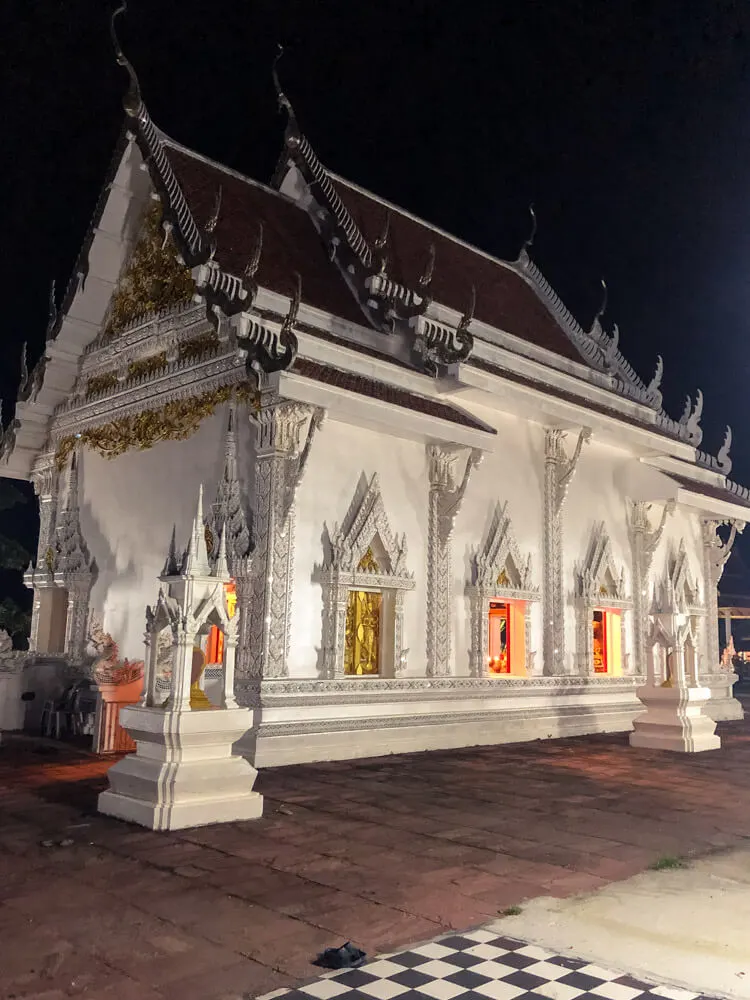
658 374
425 279
381 243
723 458
213 220
254 263
52 315
529 241
24 381
287 326
132 99
603 307
282 99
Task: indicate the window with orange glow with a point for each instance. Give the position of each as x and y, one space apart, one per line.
499 644
607 642
215 644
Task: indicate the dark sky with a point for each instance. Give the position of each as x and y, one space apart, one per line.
626 123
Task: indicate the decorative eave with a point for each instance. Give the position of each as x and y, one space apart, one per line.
225 295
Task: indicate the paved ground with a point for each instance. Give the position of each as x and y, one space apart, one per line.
384 852
695 934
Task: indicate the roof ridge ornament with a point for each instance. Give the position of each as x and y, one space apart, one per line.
596 324
132 100
691 417
293 132
529 241
253 264
425 279
53 314
655 382
723 458
381 242
212 223
24 381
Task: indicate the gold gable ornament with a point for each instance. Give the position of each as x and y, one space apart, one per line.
175 421
153 280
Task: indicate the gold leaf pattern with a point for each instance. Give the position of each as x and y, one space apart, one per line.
368 563
197 346
175 421
153 280
101 383
147 366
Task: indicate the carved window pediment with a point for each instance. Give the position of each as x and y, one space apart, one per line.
600 581
363 554
498 568
364 550
499 572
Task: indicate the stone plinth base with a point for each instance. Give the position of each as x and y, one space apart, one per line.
723 706
183 772
675 719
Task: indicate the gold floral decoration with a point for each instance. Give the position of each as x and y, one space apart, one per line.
147 366
197 346
175 421
101 383
154 279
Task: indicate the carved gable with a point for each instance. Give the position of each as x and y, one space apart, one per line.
153 279
682 581
366 528
499 567
600 580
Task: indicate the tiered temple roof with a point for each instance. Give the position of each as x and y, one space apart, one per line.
371 278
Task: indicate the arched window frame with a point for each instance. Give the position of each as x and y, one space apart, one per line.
499 555
343 572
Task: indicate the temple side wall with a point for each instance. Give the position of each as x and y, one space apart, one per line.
512 473
129 506
594 497
342 454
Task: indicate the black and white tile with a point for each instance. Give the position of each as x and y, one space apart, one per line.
480 965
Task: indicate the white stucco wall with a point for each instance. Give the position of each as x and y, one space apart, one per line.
340 456
513 473
682 525
128 508
595 496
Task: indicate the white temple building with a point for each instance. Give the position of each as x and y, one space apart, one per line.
452 516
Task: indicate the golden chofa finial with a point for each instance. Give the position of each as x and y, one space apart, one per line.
132 100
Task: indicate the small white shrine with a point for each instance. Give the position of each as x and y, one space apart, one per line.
184 772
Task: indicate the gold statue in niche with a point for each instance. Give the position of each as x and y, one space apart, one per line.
362 642
198 700
361 651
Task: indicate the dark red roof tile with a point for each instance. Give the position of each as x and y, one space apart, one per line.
374 389
504 299
567 396
290 242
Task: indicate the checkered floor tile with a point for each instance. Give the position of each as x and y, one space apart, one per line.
479 965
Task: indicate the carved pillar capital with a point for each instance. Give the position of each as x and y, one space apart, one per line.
285 431
558 474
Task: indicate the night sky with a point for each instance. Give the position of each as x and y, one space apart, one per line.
627 124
